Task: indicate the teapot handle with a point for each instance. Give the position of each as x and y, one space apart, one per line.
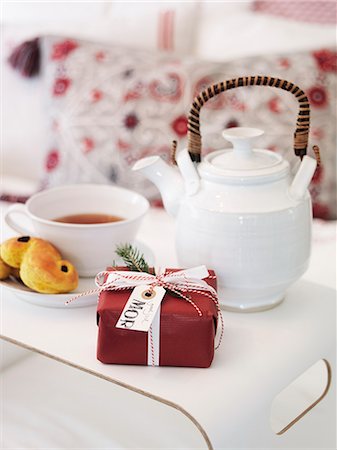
301 134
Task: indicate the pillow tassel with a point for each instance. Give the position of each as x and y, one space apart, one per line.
25 58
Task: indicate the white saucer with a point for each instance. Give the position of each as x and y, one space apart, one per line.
59 300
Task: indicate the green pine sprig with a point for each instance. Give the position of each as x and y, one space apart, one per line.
133 258
135 261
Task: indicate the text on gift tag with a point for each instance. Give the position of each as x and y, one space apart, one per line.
141 307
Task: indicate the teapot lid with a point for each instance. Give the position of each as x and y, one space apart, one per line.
242 160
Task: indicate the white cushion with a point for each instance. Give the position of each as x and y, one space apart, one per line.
230 30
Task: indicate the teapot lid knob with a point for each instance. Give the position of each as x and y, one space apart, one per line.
241 138
242 157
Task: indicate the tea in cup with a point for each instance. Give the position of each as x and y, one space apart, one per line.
85 222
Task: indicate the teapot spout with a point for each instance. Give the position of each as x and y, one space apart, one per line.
166 178
303 177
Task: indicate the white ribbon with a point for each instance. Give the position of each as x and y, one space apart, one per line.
153 341
182 279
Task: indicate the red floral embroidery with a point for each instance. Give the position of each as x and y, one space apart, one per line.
61 85
179 125
53 159
202 85
122 145
217 102
318 175
318 96
62 49
320 211
88 144
100 56
236 104
284 63
131 121
13 198
132 95
232 124
274 105
326 60
136 93
317 133
169 89
157 203
96 95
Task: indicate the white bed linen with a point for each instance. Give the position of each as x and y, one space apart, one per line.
229 30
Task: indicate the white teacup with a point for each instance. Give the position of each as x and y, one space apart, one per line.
90 247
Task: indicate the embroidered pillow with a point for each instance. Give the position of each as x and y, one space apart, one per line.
317 11
111 105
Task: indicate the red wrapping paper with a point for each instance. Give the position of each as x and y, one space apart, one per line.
186 339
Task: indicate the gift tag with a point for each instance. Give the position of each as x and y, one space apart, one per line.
141 308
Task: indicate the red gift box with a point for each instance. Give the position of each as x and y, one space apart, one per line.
186 339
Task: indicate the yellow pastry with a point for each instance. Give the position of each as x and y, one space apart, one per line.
5 270
15 272
41 265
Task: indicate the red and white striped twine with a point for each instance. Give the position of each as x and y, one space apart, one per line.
150 336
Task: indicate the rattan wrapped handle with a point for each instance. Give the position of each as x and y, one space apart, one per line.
301 134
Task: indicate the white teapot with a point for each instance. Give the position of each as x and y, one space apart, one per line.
240 211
